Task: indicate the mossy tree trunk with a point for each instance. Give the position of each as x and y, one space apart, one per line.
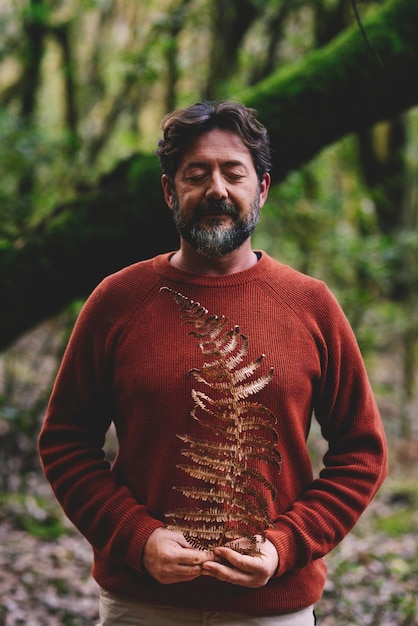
121 220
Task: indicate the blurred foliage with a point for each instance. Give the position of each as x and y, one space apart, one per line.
83 85
35 515
380 556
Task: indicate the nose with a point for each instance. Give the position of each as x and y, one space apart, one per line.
216 189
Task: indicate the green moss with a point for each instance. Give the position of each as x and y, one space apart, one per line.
404 516
49 528
398 524
34 515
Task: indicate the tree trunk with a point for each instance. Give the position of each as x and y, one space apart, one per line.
120 221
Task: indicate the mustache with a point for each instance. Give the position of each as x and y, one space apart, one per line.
216 207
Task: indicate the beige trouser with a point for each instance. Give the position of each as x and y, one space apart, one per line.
115 611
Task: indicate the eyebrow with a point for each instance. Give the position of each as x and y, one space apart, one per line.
205 165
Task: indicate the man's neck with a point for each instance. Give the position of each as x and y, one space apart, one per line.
189 260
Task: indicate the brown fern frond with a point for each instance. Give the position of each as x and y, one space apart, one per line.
248 496
251 414
216 380
259 442
217 429
208 515
212 326
213 447
247 527
214 476
205 540
251 424
229 341
220 372
255 408
210 374
249 389
195 543
275 458
257 475
240 354
222 462
209 494
250 551
225 344
231 489
245 372
203 399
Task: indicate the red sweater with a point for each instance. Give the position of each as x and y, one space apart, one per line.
128 360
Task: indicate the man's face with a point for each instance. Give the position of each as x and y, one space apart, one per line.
217 196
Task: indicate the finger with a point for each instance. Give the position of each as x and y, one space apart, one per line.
181 540
188 573
234 558
178 577
177 573
227 574
193 557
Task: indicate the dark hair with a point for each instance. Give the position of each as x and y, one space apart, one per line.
184 125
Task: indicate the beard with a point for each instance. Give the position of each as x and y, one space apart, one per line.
216 239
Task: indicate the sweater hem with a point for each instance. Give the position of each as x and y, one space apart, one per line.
294 591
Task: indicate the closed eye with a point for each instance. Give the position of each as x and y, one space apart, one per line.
234 177
196 178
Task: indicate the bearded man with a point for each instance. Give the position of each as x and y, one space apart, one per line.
132 361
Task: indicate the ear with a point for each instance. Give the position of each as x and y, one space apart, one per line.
264 189
167 189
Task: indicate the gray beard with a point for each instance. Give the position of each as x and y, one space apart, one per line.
216 240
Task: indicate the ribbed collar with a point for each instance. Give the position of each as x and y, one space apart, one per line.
163 267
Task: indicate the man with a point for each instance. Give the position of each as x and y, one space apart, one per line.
129 361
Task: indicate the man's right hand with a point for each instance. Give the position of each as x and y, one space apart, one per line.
170 559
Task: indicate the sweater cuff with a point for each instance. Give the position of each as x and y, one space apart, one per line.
285 553
136 548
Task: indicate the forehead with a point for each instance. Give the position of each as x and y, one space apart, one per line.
217 145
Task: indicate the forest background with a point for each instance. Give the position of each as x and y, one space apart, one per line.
83 87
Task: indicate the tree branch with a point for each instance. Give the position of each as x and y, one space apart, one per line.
339 89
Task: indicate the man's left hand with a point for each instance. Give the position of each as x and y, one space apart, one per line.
240 569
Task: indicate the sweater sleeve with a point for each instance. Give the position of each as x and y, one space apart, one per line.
355 463
72 438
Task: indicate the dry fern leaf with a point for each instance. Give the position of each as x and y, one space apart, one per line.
242 439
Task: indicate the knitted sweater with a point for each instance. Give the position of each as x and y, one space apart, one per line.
128 361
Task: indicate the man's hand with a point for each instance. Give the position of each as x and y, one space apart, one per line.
239 569
170 559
